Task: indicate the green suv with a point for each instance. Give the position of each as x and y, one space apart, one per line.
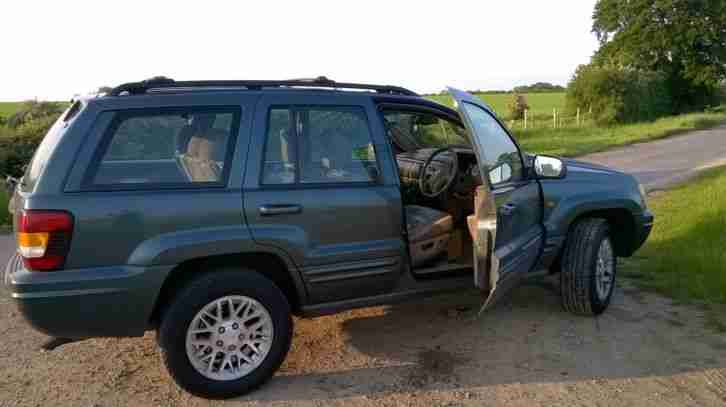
212 211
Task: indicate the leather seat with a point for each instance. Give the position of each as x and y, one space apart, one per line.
429 231
204 156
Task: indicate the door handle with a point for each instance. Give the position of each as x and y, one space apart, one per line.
280 209
507 209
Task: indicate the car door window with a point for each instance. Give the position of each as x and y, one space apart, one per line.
319 145
501 155
280 153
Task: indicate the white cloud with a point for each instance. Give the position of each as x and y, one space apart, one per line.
53 50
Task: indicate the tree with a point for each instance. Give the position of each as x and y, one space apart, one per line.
683 39
616 95
516 106
538 87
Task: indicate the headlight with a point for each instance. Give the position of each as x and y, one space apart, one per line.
643 194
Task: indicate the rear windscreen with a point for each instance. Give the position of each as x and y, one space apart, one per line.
46 147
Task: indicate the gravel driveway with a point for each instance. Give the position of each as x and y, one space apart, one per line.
643 351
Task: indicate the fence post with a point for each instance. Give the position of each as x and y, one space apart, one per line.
525 119
589 114
578 117
554 117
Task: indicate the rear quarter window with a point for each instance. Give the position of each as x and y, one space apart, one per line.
165 147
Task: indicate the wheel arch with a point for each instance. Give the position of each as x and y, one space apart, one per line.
270 265
622 227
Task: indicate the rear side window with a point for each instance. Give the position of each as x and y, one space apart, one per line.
318 145
165 147
280 153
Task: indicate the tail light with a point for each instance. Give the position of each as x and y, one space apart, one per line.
44 238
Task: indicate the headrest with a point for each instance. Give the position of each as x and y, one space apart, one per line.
208 145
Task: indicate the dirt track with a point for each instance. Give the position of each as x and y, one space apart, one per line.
643 351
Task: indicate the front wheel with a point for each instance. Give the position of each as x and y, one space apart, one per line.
587 278
225 334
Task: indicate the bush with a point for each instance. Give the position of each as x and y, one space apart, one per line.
517 106
619 96
539 87
32 110
21 134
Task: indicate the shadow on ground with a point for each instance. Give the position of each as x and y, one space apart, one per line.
441 345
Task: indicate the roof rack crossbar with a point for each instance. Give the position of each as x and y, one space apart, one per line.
138 88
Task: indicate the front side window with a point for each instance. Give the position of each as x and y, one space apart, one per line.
501 155
185 146
410 130
318 145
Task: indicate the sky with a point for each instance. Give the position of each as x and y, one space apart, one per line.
53 50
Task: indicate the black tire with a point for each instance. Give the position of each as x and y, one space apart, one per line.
200 292
579 265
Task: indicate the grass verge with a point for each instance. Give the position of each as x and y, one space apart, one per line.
540 104
574 141
685 256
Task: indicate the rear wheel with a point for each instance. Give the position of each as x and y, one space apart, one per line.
225 334
589 264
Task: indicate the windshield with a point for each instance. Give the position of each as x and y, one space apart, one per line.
411 130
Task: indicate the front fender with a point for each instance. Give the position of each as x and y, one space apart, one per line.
578 194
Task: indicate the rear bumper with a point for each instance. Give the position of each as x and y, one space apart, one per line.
104 301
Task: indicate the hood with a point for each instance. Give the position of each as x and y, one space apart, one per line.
583 166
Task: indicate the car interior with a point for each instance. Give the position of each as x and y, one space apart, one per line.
439 176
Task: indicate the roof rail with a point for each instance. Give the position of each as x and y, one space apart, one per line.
161 82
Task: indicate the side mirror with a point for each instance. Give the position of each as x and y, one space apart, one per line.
546 167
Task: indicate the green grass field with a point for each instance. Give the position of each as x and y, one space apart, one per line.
574 141
684 257
540 104
8 108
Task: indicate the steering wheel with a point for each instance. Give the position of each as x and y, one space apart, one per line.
433 181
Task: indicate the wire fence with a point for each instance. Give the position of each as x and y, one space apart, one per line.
555 121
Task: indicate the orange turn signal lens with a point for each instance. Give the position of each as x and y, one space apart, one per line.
32 245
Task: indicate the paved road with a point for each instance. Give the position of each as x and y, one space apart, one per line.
660 164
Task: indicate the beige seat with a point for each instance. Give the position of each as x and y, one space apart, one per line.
204 157
429 231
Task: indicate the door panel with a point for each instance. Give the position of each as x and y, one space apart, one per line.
508 205
345 237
